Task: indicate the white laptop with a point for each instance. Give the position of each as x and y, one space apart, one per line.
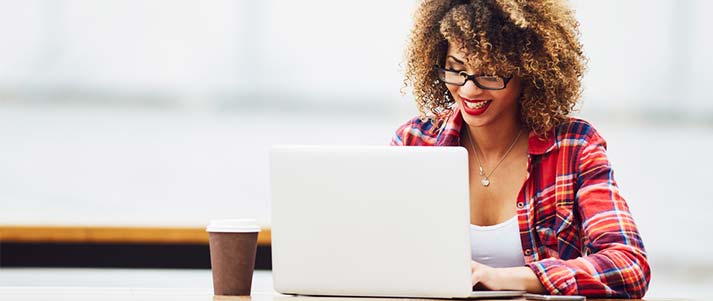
372 221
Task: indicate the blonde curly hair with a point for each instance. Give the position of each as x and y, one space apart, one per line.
537 41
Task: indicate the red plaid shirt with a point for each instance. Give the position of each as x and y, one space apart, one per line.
577 233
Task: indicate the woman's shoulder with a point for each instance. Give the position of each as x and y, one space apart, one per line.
418 130
577 131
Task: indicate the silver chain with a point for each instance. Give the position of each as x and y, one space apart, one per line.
485 181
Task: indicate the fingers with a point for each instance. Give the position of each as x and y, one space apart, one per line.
482 276
474 279
476 274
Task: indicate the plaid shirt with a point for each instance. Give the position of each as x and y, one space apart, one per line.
577 233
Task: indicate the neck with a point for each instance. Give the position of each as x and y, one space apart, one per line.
494 140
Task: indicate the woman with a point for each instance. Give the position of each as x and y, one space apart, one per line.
500 79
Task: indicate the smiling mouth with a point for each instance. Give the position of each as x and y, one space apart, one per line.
476 104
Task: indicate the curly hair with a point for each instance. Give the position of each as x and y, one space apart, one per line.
537 41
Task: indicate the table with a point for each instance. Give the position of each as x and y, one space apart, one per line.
112 234
158 294
35 284
129 246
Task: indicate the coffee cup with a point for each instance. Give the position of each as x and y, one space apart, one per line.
233 244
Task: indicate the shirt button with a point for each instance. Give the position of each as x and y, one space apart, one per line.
520 205
528 252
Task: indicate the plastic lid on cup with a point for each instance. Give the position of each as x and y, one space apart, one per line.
233 225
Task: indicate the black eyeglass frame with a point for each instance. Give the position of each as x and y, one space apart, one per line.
471 77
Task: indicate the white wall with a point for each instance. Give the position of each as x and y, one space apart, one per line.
645 55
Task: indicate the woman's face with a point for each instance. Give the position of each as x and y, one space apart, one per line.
481 107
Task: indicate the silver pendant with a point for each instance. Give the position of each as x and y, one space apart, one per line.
482 173
485 181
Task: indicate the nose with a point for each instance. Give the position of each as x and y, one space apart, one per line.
470 89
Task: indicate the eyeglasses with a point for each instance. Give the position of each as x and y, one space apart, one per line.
459 78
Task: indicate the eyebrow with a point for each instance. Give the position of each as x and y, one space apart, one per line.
455 59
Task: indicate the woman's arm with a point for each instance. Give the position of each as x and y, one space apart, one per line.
615 263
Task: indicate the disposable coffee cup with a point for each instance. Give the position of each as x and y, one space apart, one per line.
233 244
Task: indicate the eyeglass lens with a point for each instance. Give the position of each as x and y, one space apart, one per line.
459 78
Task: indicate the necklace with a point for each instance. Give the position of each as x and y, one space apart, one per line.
485 181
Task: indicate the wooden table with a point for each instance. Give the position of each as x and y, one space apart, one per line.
111 234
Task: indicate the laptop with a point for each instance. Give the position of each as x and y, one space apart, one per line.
372 221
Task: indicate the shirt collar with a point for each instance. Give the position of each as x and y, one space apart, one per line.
537 145
450 129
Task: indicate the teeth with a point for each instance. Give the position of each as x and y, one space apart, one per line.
476 105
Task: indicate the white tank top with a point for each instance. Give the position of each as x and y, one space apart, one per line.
498 245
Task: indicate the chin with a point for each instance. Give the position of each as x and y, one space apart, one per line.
476 121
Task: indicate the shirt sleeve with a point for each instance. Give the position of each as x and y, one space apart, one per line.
401 134
414 132
615 263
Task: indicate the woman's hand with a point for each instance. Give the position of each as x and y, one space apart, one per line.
515 278
484 275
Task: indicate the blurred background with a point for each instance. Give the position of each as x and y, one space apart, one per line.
160 113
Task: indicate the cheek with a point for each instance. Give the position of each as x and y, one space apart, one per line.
453 91
511 94
508 96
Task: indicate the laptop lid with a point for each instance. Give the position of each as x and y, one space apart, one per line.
370 221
